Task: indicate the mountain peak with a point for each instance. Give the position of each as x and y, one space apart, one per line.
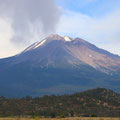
58 65
74 50
58 37
54 37
66 38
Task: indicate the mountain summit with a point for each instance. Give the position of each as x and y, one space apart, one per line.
55 48
57 65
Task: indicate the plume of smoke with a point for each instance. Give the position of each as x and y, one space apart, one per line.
31 19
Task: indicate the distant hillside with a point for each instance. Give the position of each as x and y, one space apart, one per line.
95 102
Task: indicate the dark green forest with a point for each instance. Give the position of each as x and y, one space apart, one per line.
96 102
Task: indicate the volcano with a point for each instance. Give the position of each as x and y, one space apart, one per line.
58 65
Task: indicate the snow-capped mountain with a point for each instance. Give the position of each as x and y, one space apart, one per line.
76 51
58 65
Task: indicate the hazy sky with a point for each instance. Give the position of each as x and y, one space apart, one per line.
23 22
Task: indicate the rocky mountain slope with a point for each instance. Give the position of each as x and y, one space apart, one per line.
58 65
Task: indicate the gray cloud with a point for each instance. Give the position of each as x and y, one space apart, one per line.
30 19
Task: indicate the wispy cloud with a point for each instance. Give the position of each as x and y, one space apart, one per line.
23 22
30 19
102 31
6 33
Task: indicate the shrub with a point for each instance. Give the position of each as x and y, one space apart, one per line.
93 115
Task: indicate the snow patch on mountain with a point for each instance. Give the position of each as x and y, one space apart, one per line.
67 39
34 46
29 48
40 44
90 56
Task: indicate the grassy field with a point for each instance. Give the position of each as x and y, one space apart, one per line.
73 118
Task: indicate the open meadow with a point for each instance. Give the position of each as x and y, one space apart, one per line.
72 118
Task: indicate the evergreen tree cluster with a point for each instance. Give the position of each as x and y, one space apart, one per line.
96 102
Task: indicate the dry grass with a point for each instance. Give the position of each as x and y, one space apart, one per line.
74 118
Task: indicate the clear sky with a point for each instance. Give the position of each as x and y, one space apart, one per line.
23 22
90 7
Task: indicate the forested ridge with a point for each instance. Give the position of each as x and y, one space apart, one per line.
95 102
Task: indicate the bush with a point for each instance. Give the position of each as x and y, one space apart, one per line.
52 115
62 115
93 115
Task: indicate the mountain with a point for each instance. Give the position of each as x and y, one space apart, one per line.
95 102
58 65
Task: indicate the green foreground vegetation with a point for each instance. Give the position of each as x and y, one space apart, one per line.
98 102
72 118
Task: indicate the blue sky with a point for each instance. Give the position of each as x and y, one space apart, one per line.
97 21
90 7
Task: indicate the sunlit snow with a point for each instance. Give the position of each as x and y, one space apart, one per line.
67 38
41 43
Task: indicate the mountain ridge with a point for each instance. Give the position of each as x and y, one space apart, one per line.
70 46
99 102
56 65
